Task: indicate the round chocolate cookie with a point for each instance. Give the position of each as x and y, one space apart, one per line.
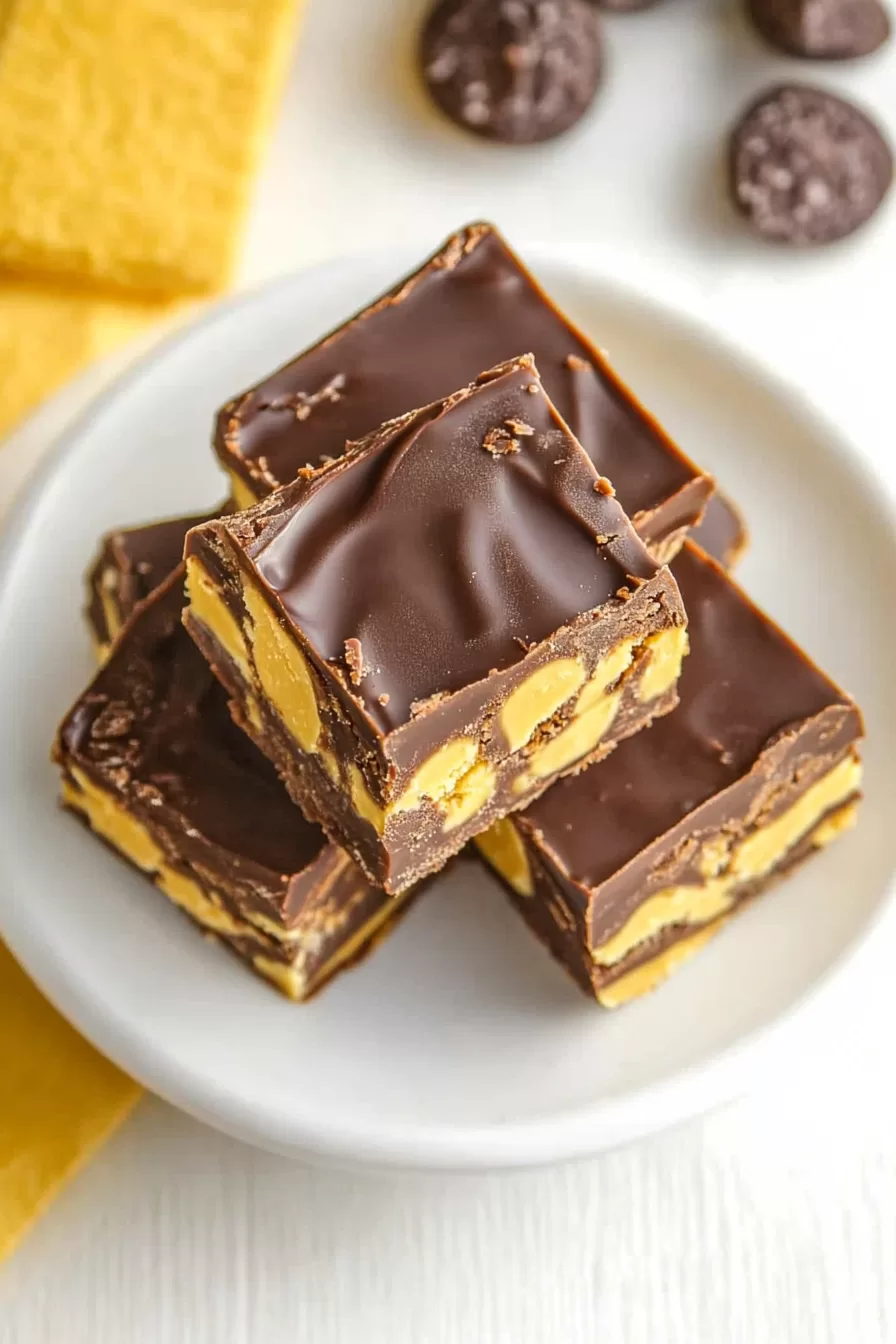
519 71
807 167
822 30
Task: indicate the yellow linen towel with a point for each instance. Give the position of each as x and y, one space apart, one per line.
48 334
60 1099
130 131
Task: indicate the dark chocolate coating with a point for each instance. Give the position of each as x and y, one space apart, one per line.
444 559
154 729
822 30
138 559
517 71
745 690
807 167
723 531
157 709
470 307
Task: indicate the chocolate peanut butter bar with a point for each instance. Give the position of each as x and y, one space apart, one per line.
426 633
132 562
152 760
470 306
632 865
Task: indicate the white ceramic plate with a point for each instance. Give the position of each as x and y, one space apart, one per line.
459 1043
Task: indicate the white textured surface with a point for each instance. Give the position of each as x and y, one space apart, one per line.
774 1221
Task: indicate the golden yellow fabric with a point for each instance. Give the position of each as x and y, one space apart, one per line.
59 1100
131 129
48 334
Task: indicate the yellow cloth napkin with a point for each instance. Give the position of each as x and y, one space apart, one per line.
59 1100
130 132
48 333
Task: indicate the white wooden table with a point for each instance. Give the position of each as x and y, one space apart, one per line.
773 1222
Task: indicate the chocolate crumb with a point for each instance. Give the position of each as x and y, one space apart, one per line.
604 487
577 363
115 721
383 699
532 389
624 593
303 403
520 428
499 442
355 658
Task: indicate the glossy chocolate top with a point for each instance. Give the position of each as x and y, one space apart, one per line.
154 725
743 682
471 306
722 533
445 544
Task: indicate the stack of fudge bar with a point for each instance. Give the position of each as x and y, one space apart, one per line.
464 589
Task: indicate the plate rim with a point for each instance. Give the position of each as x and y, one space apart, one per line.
585 1130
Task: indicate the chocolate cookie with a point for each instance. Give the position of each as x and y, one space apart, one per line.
822 30
519 71
807 167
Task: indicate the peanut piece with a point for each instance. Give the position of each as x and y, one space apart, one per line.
665 654
331 765
283 671
504 850
365 805
753 858
758 854
537 698
253 711
673 905
579 738
109 602
288 978
210 610
714 855
842 820
110 820
471 792
644 978
437 777
187 894
619 660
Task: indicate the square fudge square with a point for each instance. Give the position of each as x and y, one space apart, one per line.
130 563
470 306
630 867
425 634
152 761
